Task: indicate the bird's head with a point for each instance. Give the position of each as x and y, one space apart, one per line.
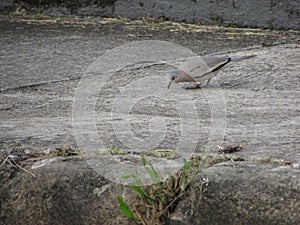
173 76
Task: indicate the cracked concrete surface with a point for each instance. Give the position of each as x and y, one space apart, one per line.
42 63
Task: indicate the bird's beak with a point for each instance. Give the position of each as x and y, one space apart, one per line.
169 84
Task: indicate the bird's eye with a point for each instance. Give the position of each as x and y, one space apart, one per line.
173 78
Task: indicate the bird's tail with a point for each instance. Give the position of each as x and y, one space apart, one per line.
240 58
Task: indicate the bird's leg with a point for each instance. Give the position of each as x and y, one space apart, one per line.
197 86
207 82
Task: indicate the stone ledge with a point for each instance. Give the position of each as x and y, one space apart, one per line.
68 191
242 193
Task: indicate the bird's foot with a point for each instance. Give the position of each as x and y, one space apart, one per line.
197 86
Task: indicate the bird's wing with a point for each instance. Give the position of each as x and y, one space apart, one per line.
214 64
194 65
185 77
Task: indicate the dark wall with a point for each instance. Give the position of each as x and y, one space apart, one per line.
272 14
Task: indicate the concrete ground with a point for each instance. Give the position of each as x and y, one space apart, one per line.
255 103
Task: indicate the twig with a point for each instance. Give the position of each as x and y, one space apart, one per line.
20 167
4 161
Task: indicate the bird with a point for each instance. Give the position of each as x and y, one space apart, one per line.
200 69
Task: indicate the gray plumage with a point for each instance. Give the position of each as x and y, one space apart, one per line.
200 69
